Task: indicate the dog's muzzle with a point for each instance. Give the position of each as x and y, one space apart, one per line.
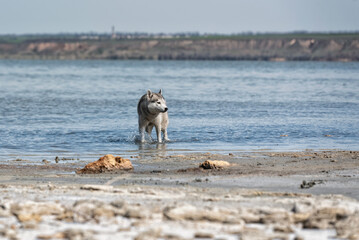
166 109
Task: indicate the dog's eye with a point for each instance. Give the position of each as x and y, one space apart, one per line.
158 102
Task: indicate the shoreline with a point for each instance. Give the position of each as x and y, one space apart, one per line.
331 166
259 195
278 49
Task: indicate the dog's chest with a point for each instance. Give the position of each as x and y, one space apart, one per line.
156 120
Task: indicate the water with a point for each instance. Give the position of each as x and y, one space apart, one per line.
88 108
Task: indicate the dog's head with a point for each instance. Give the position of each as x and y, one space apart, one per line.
156 102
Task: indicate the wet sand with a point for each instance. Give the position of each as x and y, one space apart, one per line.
262 195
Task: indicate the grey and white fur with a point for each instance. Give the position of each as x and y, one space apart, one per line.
152 111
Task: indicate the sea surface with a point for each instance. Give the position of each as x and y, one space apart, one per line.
85 109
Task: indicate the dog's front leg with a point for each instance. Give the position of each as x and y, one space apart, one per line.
158 131
165 136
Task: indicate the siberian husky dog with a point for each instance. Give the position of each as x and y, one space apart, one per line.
152 111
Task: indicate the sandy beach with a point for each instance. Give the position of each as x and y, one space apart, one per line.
261 195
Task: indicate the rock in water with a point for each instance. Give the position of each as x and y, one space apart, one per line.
216 164
107 163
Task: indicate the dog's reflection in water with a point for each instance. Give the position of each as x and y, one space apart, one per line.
152 150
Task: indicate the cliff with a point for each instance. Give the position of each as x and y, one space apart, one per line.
272 49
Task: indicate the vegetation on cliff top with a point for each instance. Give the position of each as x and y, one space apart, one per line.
10 38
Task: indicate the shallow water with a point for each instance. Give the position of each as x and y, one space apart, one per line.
88 108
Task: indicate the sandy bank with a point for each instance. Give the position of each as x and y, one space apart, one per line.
260 195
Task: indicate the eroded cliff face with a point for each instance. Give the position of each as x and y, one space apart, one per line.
187 49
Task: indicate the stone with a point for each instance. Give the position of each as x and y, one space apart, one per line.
107 163
250 233
58 235
105 188
214 164
94 210
276 217
348 228
105 211
300 217
77 234
299 237
284 228
27 217
5 210
91 210
189 212
149 234
67 216
119 204
135 212
8 233
203 235
32 211
325 218
192 213
310 184
249 215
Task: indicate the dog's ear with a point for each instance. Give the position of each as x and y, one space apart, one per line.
160 92
149 94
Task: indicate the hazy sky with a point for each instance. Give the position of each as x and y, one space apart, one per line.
213 16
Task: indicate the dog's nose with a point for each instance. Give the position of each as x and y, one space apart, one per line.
166 109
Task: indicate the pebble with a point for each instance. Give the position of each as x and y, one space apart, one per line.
203 235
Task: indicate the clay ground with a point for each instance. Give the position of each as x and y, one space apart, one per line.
262 195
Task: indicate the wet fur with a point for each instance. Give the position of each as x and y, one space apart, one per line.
151 114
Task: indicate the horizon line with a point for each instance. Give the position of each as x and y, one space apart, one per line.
186 32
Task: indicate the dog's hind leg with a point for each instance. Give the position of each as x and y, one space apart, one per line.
149 130
141 128
142 133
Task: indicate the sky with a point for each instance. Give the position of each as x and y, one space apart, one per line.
169 16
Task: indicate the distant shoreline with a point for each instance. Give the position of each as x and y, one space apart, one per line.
267 47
